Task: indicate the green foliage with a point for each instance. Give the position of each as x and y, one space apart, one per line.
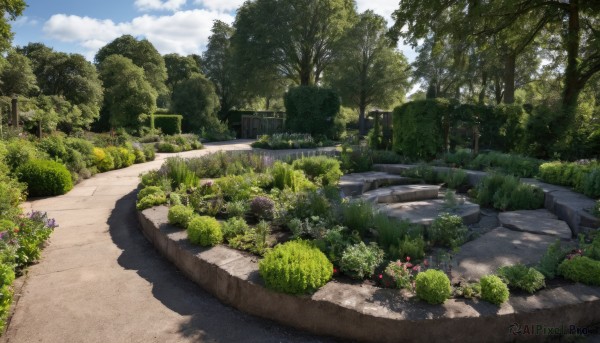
447 230
45 178
234 227
459 159
262 207
239 187
167 147
389 231
333 241
309 204
581 269
236 209
17 76
295 267
254 240
455 178
279 141
313 110
151 200
433 286
19 152
180 215
360 260
553 256
357 215
591 183
521 277
284 176
54 146
508 193
224 163
413 247
204 231
140 157
320 169
103 160
169 124
592 250
179 173
493 290
510 164
425 172
356 160
144 192
149 152
418 130
398 274
596 209
584 177
195 99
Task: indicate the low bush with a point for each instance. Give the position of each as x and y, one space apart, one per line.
295 267
262 207
309 204
151 200
204 231
179 173
552 258
581 269
459 159
146 191
583 176
19 152
412 247
284 176
360 260
180 215
425 172
596 209
494 290
320 169
234 227
433 286
45 178
508 193
455 178
149 153
356 159
447 230
286 141
591 183
140 157
357 215
522 277
102 160
510 164
167 147
389 231
399 275
236 208
239 187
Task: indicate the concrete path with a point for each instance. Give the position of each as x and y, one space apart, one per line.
99 280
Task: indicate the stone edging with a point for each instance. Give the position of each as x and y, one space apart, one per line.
362 312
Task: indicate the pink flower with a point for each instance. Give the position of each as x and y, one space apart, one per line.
408 258
380 276
409 265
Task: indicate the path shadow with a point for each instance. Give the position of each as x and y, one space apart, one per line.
210 320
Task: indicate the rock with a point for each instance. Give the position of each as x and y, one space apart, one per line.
358 183
538 222
402 193
425 212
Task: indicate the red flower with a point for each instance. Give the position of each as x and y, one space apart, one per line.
408 258
335 270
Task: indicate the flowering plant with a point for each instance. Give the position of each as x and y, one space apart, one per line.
400 274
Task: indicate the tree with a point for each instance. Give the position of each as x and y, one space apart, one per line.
368 71
17 76
9 10
293 39
179 68
69 76
143 54
196 99
128 96
218 66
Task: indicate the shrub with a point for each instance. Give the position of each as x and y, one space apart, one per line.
521 277
507 193
102 160
447 230
309 204
180 215
591 183
169 124
515 165
359 260
238 187
295 267
321 169
409 247
398 274
493 290
418 130
19 152
167 147
455 178
357 215
389 231
179 173
433 286
314 110
425 172
581 269
553 256
116 155
596 209
236 208
234 227
285 141
284 176
459 159
45 178
262 207
54 146
356 160
151 200
149 152
140 157
84 147
144 192
205 231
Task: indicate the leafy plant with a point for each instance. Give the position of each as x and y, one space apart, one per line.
581 269
455 178
433 286
262 207
151 200
45 178
521 277
234 227
553 256
389 231
508 193
295 267
360 260
493 289
357 215
413 247
204 231
447 230
236 208
320 169
179 173
180 215
309 204
399 274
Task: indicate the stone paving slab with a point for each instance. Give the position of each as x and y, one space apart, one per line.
403 193
500 247
358 183
425 212
538 222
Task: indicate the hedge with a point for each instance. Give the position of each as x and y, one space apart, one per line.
45 178
170 124
314 110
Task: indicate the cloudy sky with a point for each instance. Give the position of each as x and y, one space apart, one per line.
181 26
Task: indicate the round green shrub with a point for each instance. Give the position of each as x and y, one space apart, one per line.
139 156
151 201
522 277
493 289
180 215
581 269
103 160
322 169
295 267
360 260
433 286
234 226
54 146
205 231
45 178
149 152
144 192
447 230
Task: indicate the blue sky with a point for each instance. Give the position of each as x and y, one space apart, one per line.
181 26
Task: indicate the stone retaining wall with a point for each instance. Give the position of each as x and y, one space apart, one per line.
362 312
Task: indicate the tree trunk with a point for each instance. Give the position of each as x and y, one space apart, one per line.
483 87
362 127
509 78
498 93
573 85
14 112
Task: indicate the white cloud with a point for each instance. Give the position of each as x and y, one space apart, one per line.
220 5
24 21
384 8
157 5
183 32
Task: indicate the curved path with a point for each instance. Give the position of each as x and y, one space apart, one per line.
99 280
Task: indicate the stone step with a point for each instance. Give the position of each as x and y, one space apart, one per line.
541 222
404 193
497 248
357 183
425 212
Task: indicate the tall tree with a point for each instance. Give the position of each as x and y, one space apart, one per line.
196 99
292 38
143 54
179 68
128 96
9 10
218 66
17 76
368 71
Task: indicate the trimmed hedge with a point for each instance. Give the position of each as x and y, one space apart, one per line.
314 110
45 178
433 286
170 124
